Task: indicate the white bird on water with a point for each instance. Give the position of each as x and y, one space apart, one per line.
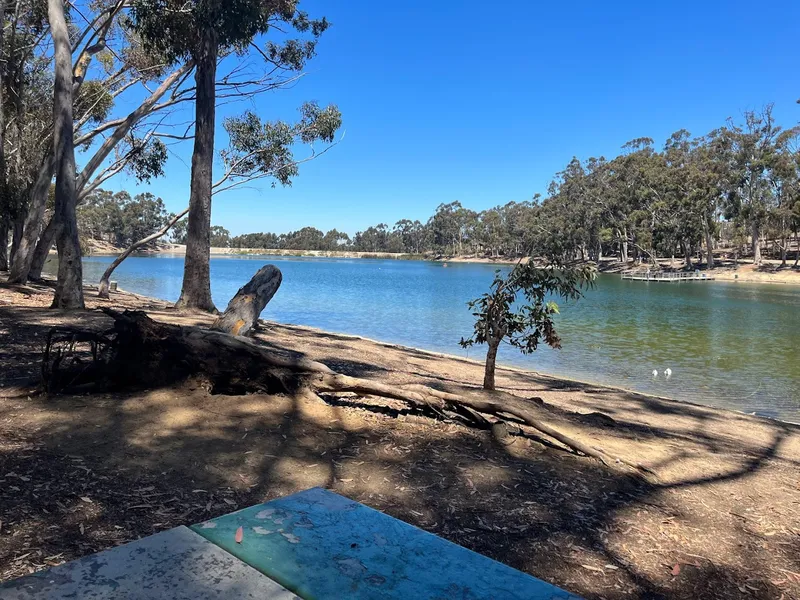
668 372
655 373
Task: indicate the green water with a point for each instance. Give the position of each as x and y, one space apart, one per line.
732 345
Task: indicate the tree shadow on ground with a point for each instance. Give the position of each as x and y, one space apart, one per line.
79 474
88 473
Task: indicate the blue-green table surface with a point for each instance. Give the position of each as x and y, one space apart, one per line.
323 546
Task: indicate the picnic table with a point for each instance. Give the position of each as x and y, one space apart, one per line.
311 545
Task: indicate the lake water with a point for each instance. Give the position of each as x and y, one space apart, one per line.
732 345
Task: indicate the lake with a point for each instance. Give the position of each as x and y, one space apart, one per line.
732 345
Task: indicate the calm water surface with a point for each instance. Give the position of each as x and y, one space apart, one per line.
730 345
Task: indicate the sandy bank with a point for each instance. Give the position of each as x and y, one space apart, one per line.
721 517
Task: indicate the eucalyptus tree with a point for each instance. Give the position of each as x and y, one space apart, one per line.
120 65
200 31
256 150
752 154
785 179
69 287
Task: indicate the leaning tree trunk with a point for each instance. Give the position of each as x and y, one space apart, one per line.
42 251
105 280
196 290
143 353
37 202
69 287
245 307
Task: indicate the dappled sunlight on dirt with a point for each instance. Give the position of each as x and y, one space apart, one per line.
80 474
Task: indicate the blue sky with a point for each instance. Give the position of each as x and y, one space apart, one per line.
483 103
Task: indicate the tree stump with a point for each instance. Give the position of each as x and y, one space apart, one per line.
245 307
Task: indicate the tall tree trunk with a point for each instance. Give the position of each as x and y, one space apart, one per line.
3 243
756 244
19 224
796 248
624 244
69 287
709 244
37 202
687 254
5 208
42 251
491 362
196 290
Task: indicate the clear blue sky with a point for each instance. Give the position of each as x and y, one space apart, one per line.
483 103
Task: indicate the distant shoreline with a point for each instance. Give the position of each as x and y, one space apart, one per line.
770 272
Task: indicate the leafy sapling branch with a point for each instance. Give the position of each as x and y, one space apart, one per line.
518 309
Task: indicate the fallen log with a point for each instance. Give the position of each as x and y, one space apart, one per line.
145 353
245 307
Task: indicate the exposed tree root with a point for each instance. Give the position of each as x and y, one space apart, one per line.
145 353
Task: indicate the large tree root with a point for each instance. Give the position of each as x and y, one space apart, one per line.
145 353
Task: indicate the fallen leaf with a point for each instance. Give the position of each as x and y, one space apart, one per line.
676 570
239 535
86 499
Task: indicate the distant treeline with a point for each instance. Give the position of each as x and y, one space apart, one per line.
739 185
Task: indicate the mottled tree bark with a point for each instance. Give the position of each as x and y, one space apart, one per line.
3 243
69 287
756 232
16 231
491 363
5 214
42 251
37 202
709 245
196 289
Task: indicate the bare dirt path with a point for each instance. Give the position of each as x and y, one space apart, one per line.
80 474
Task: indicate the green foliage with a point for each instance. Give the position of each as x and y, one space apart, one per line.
220 237
146 158
118 219
95 101
518 309
179 231
264 149
173 28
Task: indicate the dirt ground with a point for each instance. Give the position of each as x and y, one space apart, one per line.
79 474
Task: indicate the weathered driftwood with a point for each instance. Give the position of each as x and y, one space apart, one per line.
245 307
145 353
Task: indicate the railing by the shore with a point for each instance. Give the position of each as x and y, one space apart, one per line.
666 277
